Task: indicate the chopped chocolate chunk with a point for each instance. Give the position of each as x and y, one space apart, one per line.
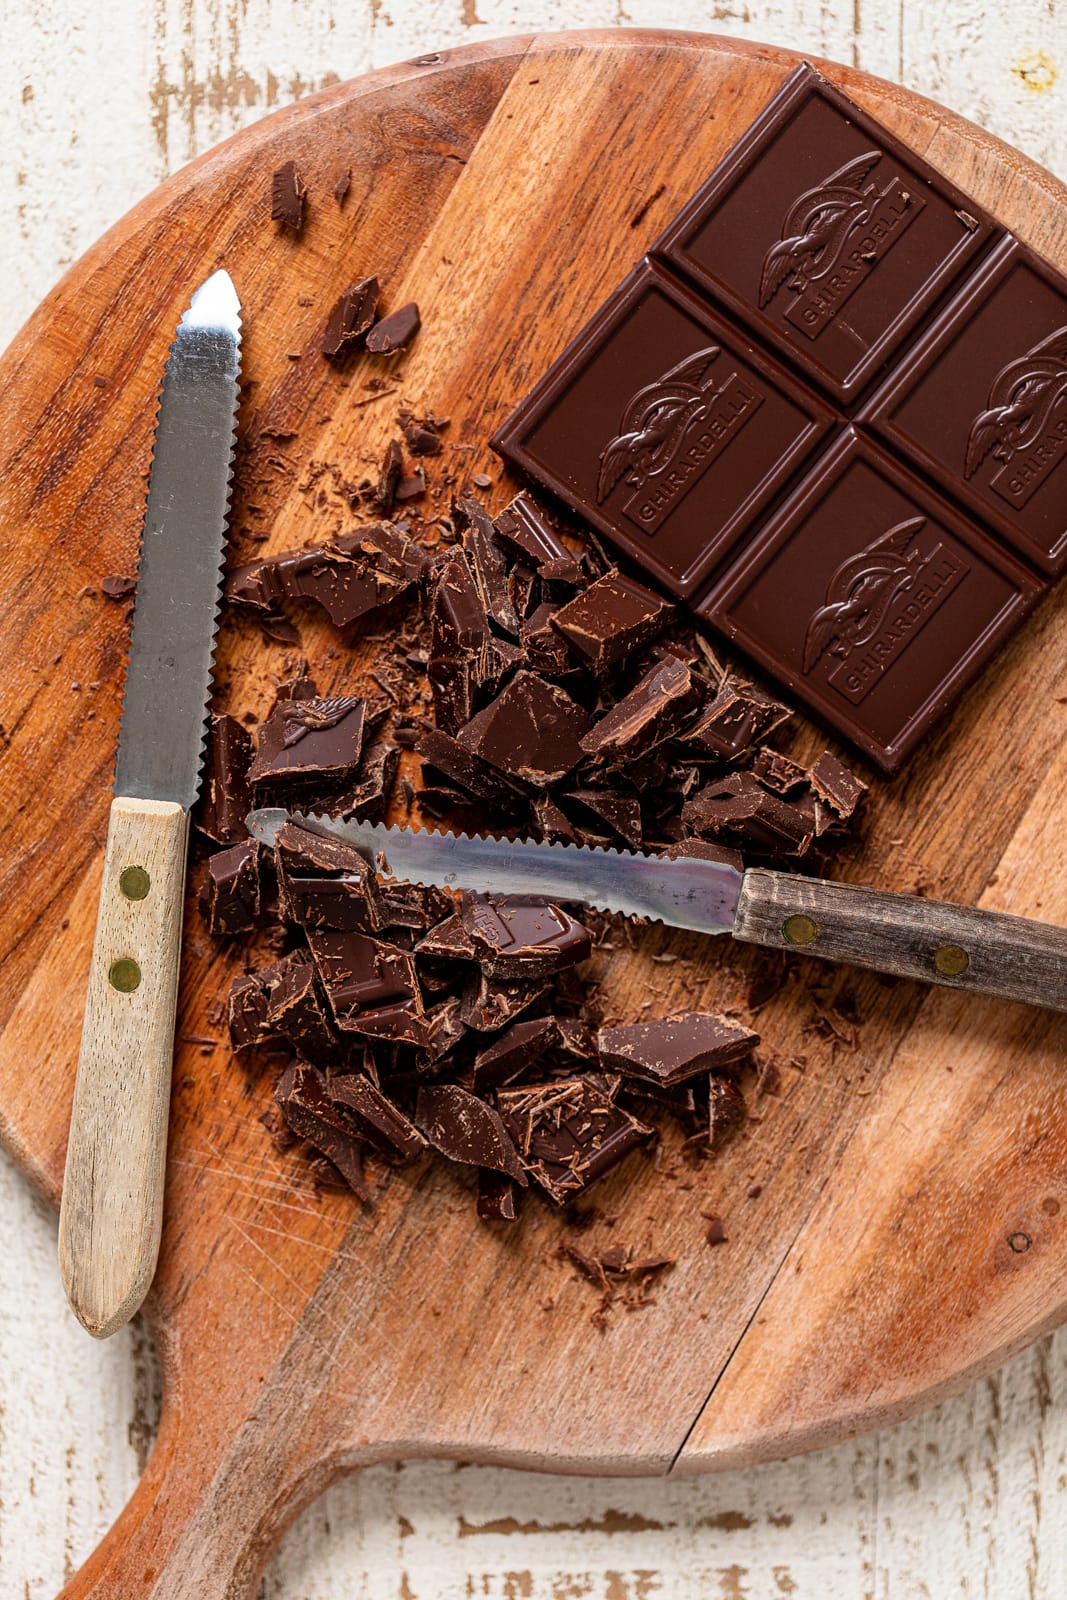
726 1110
303 740
621 812
704 850
532 730
837 791
551 822
114 587
568 1134
413 905
739 805
519 937
324 882
467 1130
676 1048
295 1010
391 470
777 773
351 317
455 762
353 574
365 796
412 487
227 797
655 708
611 618
394 331
736 718
287 195
422 438
516 1050
342 186
307 1108
545 650
498 1197
466 660
449 941
487 564
379 1120
491 1003
229 900
370 984
443 1029
247 1007
524 531
715 1233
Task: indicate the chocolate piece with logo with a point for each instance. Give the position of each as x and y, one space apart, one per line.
981 403
872 599
665 429
568 1134
827 235
676 1048
516 937
306 740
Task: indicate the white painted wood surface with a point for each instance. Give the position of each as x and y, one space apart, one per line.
97 103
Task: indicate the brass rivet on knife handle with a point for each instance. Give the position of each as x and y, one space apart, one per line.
134 883
983 952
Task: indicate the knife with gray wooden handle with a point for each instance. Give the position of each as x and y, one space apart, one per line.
962 947
111 1213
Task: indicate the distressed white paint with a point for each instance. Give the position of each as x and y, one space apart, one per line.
97 103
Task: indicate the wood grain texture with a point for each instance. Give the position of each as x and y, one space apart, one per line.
431 1476
960 947
111 1213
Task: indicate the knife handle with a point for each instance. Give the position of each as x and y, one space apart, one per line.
112 1207
963 947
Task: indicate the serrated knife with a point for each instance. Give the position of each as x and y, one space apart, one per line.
112 1207
963 947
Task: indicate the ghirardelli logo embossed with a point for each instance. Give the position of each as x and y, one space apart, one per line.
670 433
833 237
1024 425
877 602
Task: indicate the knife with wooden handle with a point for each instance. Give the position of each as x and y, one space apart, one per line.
111 1213
962 947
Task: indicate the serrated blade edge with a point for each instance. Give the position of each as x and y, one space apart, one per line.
179 580
685 893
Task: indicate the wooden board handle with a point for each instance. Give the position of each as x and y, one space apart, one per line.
112 1208
961 946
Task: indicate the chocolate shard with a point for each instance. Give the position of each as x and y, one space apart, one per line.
367 795
524 531
455 762
545 650
551 822
491 1003
114 586
353 574
227 797
229 899
727 1112
837 792
378 1119
287 196
612 618
422 437
498 1197
448 941
532 731
308 740
739 806
676 1048
487 564
444 1028
371 984
568 1134
737 717
778 773
351 317
516 936
247 1008
325 883
466 659
295 1010
516 1050
621 811
413 905
704 850
389 476
394 331
467 1130
306 1106
654 710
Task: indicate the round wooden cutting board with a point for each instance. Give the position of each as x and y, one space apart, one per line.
911 1226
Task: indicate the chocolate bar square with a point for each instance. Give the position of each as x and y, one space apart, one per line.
873 599
828 236
981 403
665 428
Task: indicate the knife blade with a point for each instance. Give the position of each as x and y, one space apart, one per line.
112 1204
961 947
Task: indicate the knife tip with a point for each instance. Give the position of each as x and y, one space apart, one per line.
215 304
